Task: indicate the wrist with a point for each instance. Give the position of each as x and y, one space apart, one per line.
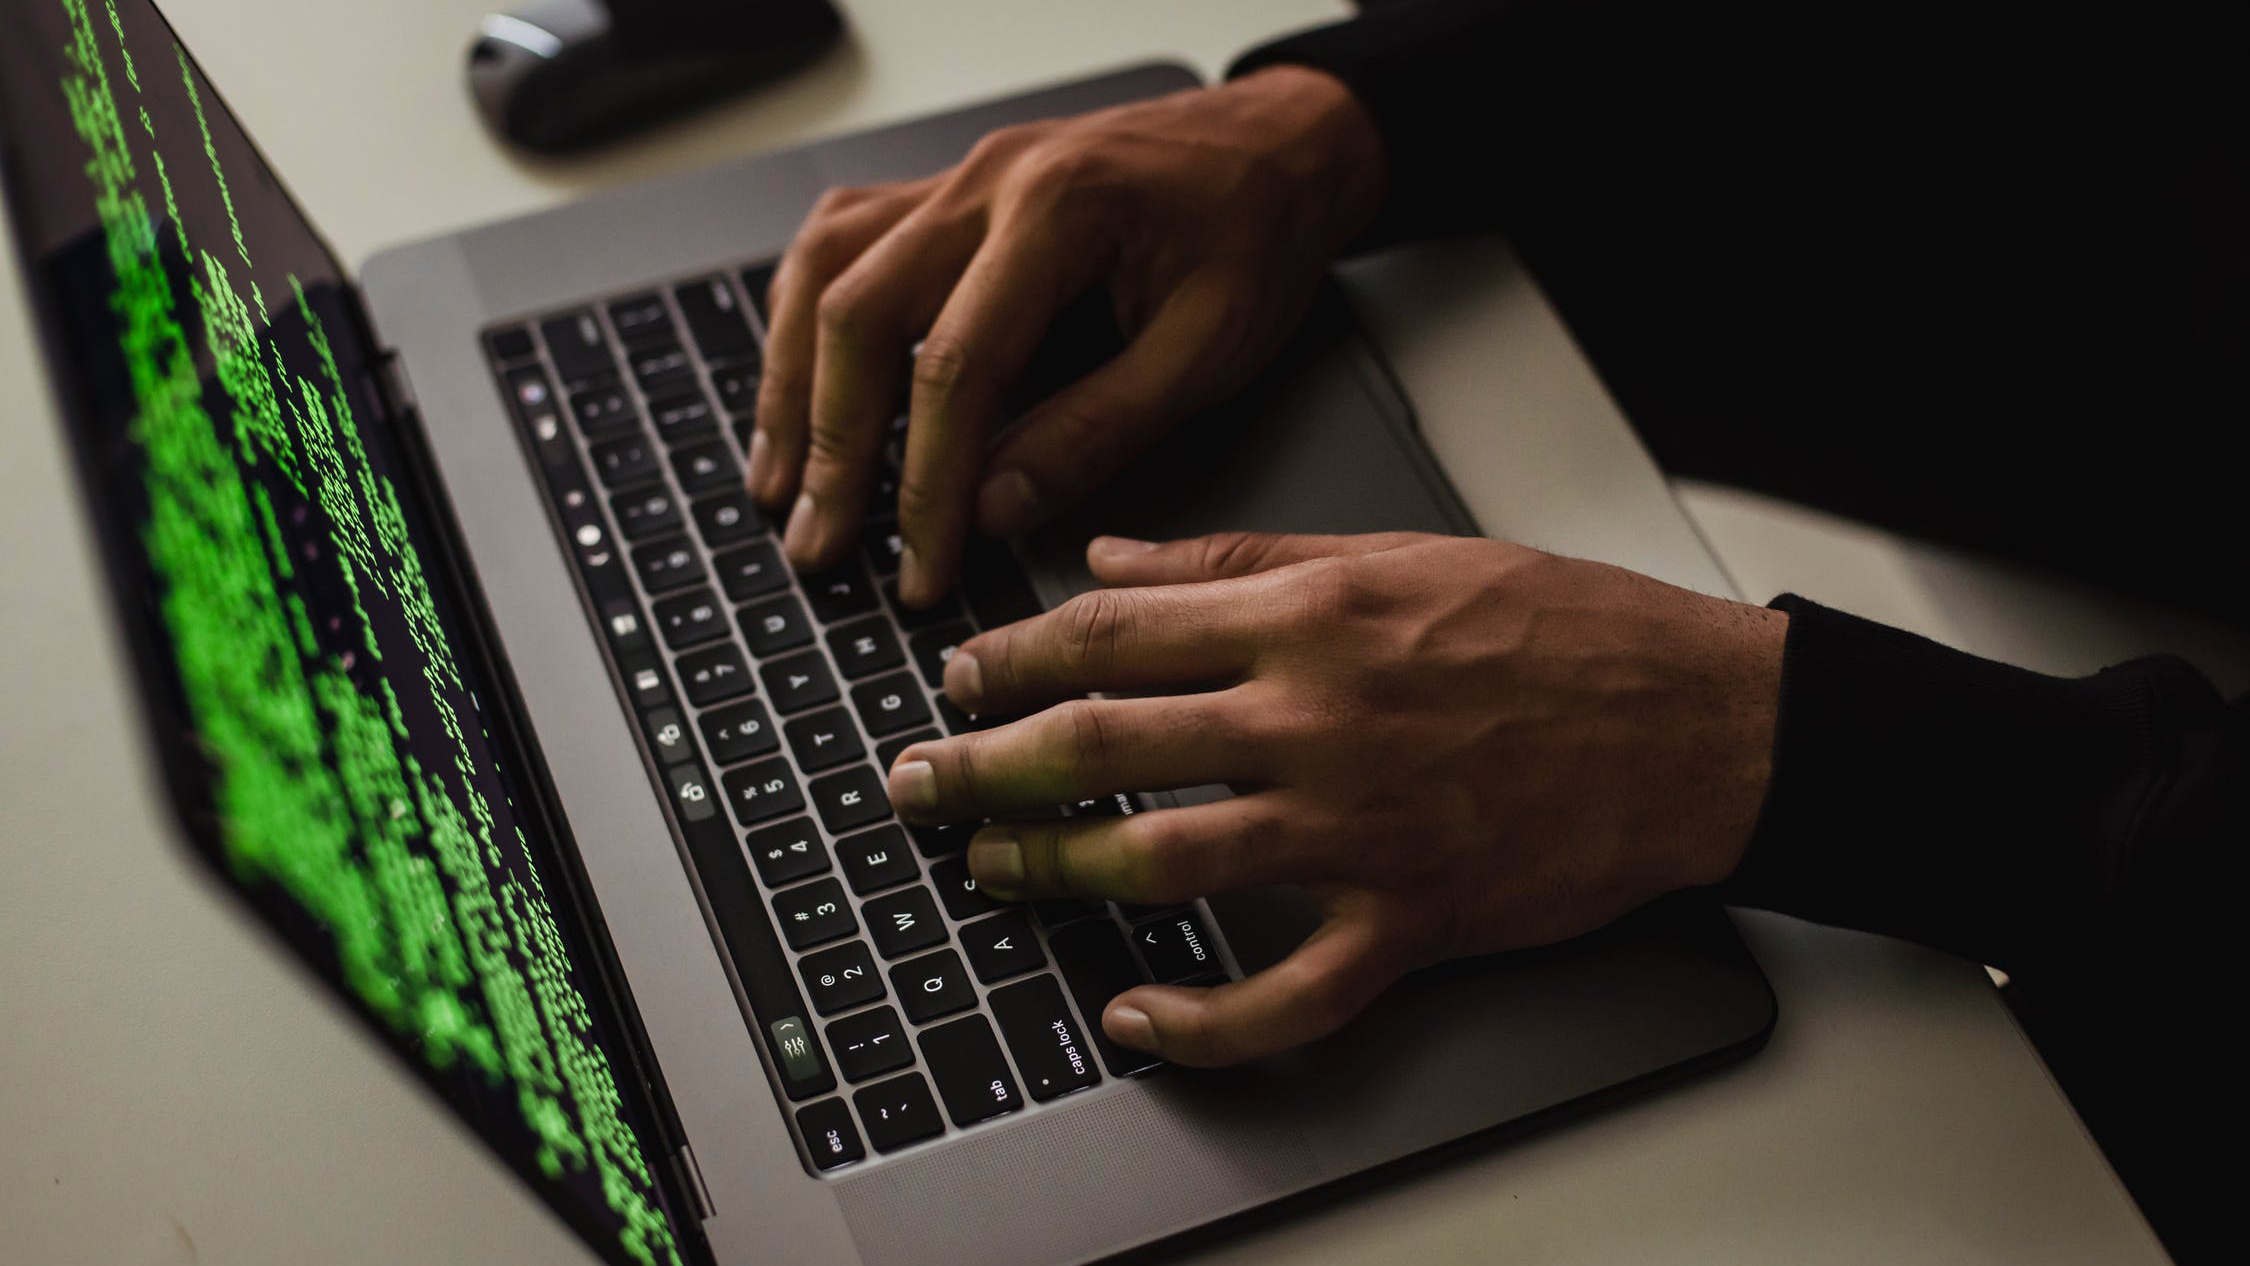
1331 143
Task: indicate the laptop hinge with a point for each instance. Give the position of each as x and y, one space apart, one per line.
690 1175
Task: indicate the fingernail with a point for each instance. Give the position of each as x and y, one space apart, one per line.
1007 502
1131 1026
964 681
914 789
997 862
797 541
758 459
1122 546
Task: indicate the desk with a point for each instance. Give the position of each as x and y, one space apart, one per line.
171 1090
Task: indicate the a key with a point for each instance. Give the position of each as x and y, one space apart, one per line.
1045 1038
575 344
787 852
1176 948
911 618
864 647
667 564
623 460
737 388
971 1075
681 418
931 986
1056 911
762 792
963 899
934 647
814 914
887 705
1002 946
757 280
705 467
510 344
661 371
829 1135
889 750
869 1044
938 841
841 978
877 859
898 1112
884 546
850 800
839 594
645 512
752 571
798 682
641 320
774 626
714 317
713 674
1097 967
994 583
603 411
739 731
726 517
823 740
690 619
903 922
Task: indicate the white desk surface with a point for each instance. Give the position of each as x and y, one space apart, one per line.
171 1090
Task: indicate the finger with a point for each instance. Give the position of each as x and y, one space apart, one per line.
1117 561
1108 639
990 326
1312 993
1074 751
842 226
1155 857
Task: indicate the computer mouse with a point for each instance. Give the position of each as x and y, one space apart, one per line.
558 76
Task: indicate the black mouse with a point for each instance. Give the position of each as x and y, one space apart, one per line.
558 76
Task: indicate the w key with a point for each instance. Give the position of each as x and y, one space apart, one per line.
971 1075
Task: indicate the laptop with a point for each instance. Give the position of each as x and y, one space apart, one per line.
474 676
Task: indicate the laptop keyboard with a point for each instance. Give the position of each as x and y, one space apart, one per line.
896 1002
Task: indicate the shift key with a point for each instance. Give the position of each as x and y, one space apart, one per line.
1045 1038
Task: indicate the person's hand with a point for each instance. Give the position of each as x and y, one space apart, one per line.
1209 214
1457 746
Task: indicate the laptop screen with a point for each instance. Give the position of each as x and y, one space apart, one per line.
317 707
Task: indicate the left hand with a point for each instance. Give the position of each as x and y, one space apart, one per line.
1457 746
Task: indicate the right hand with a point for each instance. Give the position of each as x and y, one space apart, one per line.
1210 214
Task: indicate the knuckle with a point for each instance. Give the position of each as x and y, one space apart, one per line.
1091 625
1055 168
837 199
920 502
1230 553
841 311
1087 732
940 368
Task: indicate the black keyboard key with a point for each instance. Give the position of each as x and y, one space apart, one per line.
934 647
775 626
667 564
954 719
751 571
757 282
737 386
624 460
691 791
884 546
1045 1038
933 985
823 740
903 922
850 800
877 859
938 841
691 619
910 618
706 467
762 792
898 1112
994 583
829 1136
714 317
1097 967
887 705
644 512
1118 805
864 647
869 1044
1002 946
510 344
1056 911
661 371
958 888
604 411
1176 948
787 852
798 682
739 732
971 1075
668 736
841 978
889 750
839 594
727 518
681 419
713 674
641 320
814 914
575 344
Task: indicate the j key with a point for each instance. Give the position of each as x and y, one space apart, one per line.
1057 911
937 841
762 791
1002 946
714 674
890 704
883 545
681 418
661 371
737 386
739 732
668 735
787 852
887 752
815 913
690 619
841 978
934 647
908 617
714 317
1176 947
898 1112
823 740
993 581
623 460
513 343
601 412
752 571
970 1073
691 791
1097 967
869 1044
575 344
775 626
727 518
705 467
839 594
877 859
668 564
798 682
829 1136
933 985
963 899
850 800
644 512
903 922
864 646
756 281
641 320
1045 1038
